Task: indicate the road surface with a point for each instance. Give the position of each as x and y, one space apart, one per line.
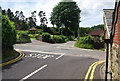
52 61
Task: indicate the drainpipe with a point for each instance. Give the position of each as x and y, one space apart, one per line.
107 41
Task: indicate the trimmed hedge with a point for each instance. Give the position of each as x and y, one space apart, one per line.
46 37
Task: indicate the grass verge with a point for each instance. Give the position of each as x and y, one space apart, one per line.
9 54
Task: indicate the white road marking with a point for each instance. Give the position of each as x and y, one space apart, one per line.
39 51
26 77
60 56
33 55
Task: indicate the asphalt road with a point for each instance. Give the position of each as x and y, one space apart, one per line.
52 61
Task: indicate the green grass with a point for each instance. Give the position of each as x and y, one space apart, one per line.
9 54
102 49
86 46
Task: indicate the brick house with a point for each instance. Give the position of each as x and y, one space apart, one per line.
112 32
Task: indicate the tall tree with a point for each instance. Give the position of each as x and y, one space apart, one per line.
43 19
10 14
33 15
67 14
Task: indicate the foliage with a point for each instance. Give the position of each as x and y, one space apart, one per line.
66 14
33 36
69 38
22 37
43 19
8 33
38 32
85 42
46 37
86 46
22 33
58 39
23 23
88 42
84 31
101 26
87 39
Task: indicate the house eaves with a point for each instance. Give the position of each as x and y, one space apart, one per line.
108 17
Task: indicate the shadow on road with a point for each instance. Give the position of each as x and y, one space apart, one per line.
10 65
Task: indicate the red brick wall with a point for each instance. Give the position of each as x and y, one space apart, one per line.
116 38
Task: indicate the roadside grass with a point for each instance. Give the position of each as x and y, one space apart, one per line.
9 54
102 49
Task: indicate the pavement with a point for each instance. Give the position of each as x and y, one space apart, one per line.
53 61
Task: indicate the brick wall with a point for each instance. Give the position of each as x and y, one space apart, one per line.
116 38
115 51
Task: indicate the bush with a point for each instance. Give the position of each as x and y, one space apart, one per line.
89 43
58 39
8 33
22 33
85 42
86 39
69 38
86 45
22 37
46 37
38 32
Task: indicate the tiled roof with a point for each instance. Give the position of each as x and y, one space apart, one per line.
33 29
96 32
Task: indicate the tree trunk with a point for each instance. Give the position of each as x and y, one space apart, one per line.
66 31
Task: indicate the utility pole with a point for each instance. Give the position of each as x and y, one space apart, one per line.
107 41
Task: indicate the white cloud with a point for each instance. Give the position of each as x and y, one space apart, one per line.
91 14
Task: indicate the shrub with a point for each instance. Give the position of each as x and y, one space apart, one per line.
86 39
22 37
69 38
58 39
86 45
51 40
8 33
46 37
38 32
63 37
22 33
32 35
85 42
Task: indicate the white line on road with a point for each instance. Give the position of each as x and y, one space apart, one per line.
26 77
60 56
39 51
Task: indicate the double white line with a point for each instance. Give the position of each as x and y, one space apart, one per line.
92 70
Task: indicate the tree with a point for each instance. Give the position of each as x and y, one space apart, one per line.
8 33
10 15
20 21
67 14
34 17
43 19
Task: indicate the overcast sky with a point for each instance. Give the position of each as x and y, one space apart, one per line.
92 10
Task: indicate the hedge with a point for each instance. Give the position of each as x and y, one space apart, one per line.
46 37
8 33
